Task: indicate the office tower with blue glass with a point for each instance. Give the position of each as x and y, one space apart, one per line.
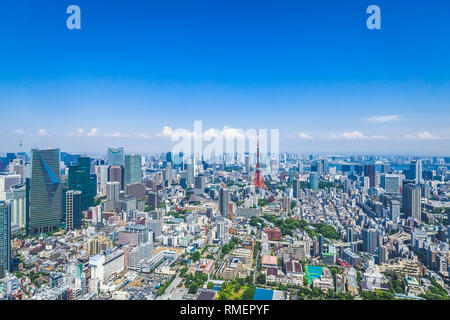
314 180
45 192
116 157
132 170
81 179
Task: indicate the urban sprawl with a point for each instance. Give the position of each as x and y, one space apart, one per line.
169 227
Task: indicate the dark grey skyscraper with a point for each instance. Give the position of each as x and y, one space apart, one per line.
411 201
296 188
115 174
45 192
370 240
224 200
73 210
5 237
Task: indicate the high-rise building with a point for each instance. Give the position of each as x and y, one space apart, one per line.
190 173
300 166
116 157
6 181
73 209
321 243
324 166
412 201
394 210
81 179
153 199
392 183
5 238
112 194
314 180
369 171
45 192
116 175
416 171
132 169
168 173
101 171
169 157
17 196
199 184
370 240
296 188
224 201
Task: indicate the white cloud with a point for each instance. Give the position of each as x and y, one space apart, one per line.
302 135
349 135
77 133
114 135
19 131
93 132
168 132
425 135
383 119
43 132
165 133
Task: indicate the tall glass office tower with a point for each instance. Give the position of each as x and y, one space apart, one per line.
5 237
132 169
314 180
81 179
45 192
116 157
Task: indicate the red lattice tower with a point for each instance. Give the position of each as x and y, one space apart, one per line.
257 180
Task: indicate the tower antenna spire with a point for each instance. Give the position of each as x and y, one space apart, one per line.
258 181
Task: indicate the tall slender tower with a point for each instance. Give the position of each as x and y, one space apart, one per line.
257 181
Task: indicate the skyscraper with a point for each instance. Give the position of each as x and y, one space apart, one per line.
73 209
5 237
153 199
190 173
370 240
394 210
416 171
224 200
132 169
45 192
199 184
314 180
112 194
81 179
412 201
369 171
116 175
392 183
168 173
116 157
296 188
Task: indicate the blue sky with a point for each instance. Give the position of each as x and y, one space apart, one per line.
310 68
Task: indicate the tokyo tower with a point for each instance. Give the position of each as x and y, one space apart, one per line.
257 180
